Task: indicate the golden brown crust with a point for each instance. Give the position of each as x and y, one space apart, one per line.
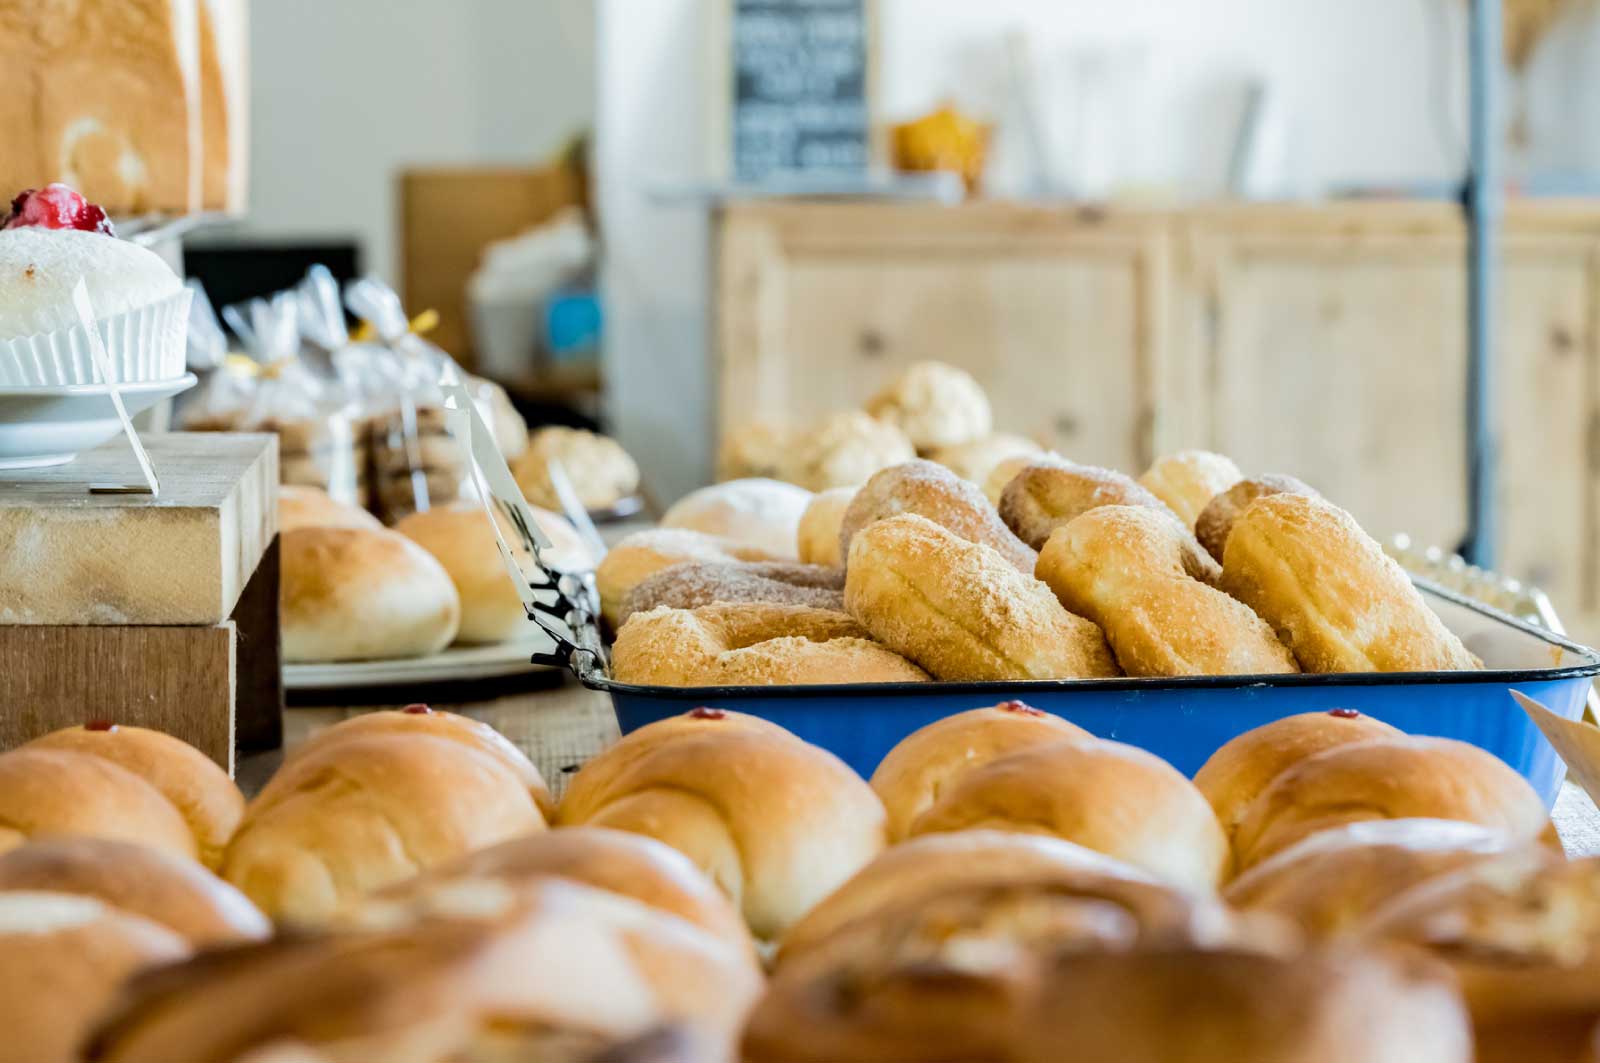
692 584
1237 773
1333 596
1391 778
602 473
644 553
932 491
776 822
312 507
198 788
961 611
1007 469
974 461
843 450
1141 578
931 759
752 644
936 405
1216 520
1189 479
1105 796
819 527
1048 494
57 791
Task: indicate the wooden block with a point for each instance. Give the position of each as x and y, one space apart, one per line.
175 679
69 557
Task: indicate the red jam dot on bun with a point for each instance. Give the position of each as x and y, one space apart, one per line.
416 708
99 725
704 713
1344 714
1019 707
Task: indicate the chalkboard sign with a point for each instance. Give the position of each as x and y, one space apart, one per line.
801 83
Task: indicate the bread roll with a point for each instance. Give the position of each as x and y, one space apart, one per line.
177 894
1187 480
1333 596
932 491
975 460
777 823
1237 773
1105 796
935 405
62 958
1335 879
961 611
818 533
312 507
368 811
641 555
843 450
601 472
1007 469
1051 492
355 594
460 538
693 584
933 758
201 791
1394 778
760 513
453 727
754 449
1216 520
51 791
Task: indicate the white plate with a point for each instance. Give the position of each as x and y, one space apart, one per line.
52 425
455 663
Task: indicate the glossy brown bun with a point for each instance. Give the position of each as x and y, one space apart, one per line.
818 534
1216 520
419 719
755 512
1051 492
360 593
56 791
1335 879
644 553
935 404
843 449
312 507
178 894
933 491
931 759
631 865
201 791
974 461
62 958
534 972
1237 773
776 822
1394 778
366 812
1189 479
1105 796
1186 1006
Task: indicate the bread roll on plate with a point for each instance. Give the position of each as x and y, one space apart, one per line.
776 822
932 491
644 553
1334 597
931 759
818 534
57 791
755 512
1187 480
352 594
312 507
935 405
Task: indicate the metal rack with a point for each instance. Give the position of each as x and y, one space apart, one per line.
1482 198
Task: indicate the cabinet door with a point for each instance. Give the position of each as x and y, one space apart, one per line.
1056 313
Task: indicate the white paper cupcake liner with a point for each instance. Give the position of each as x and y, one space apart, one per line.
146 344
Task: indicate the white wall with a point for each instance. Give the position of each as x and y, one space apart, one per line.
345 93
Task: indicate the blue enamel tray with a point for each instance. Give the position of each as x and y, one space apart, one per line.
1185 720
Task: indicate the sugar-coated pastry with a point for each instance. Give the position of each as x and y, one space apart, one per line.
756 512
757 448
930 490
931 759
776 822
1392 778
843 450
691 584
975 460
644 553
1335 598
818 533
936 405
961 610
752 644
1048 494
1216 520
1143 579
1237 773
1187 480
1006 469
1105 796
601 472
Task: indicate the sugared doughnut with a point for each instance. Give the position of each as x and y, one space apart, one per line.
1046 495
1006 469
754 512
691 584
1189 479
752 645
1331 593
935 405
933 491
961 611
1216 520
974 461
1145 581
644 553
843 450
819 527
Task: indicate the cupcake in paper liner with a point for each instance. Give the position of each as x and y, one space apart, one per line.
52 239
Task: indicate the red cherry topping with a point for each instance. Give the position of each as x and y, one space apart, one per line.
99 725
1019 708
417 708
1344 714
56 207
704 713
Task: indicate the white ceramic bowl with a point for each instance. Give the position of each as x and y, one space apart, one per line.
52 425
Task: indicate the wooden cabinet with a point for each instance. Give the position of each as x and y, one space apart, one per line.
1327 342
